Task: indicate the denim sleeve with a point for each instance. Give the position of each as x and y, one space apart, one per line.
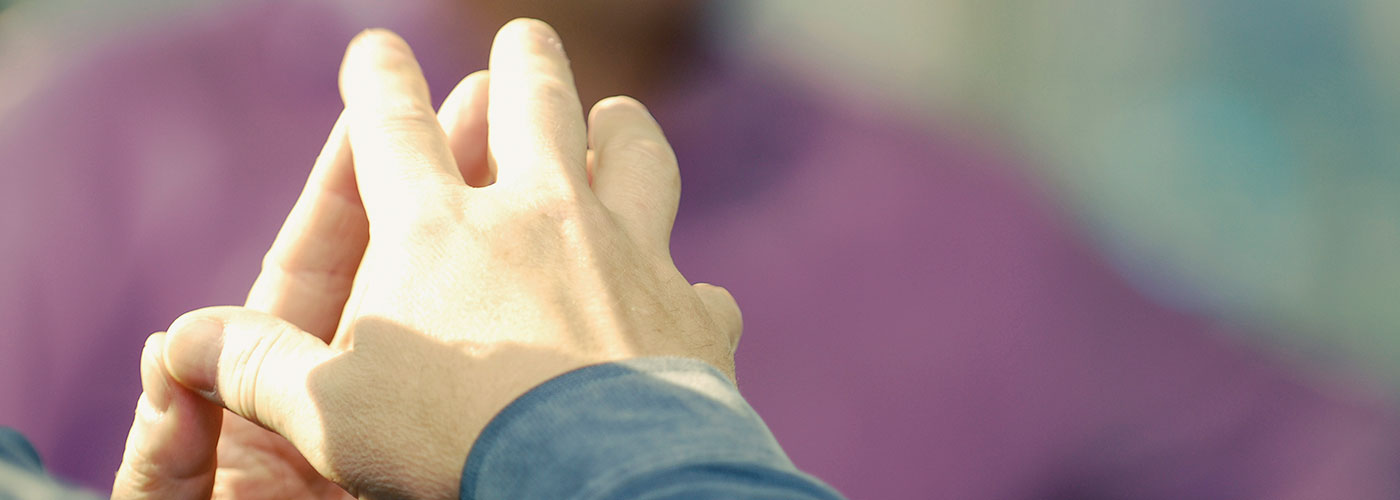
646 429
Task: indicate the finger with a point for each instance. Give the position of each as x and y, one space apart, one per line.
308 272
635 173
463 118
723 309
170 451
255 365
400 151
536 120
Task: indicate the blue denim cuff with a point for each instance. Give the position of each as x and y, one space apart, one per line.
632 429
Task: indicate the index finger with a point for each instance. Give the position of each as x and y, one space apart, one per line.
308 272
536 121
400 151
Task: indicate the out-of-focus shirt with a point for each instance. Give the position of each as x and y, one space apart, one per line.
919 321
22 474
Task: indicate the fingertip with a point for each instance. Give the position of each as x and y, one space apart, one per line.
612 115
469 93
192 349
529 27
367 43
373 55
636 174
466 92
538 133
721 293
155 385
250 362
378 38
528 23
463 119
529 36
400 151
616 103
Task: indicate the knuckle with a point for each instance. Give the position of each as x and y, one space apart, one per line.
555 205
431 209
542 221
556 193
403 115
645 151
140 477
427 223
655 157
247 377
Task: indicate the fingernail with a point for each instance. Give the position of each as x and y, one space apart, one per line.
192 352
154 383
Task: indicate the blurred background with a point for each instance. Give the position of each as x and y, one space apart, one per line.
1234 159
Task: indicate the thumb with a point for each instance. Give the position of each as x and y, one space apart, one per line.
170 450
254 364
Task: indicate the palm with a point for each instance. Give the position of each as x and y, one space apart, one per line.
257 464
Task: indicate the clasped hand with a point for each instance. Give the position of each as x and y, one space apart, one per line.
436 266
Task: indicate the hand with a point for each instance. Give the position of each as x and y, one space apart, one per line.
467 296
306 279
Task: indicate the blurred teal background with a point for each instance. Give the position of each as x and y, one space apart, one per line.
1234 158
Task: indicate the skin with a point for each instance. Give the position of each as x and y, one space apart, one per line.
436 267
